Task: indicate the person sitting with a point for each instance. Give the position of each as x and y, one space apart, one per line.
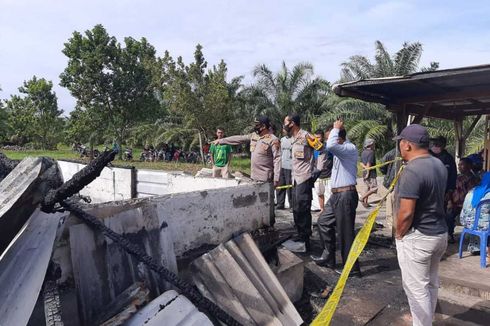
468 212
465 181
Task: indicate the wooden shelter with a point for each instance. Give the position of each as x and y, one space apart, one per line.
450 94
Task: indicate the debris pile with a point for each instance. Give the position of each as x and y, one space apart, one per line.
79 267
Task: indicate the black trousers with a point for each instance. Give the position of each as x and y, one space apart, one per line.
339 215
284 179
302 196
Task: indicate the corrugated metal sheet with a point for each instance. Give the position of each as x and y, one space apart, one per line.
236 276
23 267
169 309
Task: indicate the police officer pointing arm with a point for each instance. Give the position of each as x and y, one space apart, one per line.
265 149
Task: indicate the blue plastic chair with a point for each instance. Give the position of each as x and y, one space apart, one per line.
483 234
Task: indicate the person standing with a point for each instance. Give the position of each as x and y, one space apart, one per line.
323 162
285 174
421 231
389 171
220 157
438 150
303 174
368 160
265 148
465 181
340 212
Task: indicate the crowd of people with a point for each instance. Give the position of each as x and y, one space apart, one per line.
423 209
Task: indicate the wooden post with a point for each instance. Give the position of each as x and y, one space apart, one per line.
460 140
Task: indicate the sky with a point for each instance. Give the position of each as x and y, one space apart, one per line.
242 32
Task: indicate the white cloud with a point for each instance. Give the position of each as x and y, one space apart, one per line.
243 33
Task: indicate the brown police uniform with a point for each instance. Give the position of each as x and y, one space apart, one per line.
266 155
302 169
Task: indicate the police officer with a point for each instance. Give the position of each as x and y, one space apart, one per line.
265 149
304 175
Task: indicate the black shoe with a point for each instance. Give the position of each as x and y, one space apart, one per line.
280 207
322 261
353 273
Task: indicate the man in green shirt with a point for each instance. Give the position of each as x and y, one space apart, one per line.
220 157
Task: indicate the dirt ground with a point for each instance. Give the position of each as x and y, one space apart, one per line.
378 297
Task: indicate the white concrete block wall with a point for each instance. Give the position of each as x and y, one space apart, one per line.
203 217
152 182
213 216
112 184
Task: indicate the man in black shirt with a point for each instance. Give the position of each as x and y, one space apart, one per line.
368 160
438 149
421 232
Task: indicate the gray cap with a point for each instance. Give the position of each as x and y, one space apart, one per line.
414 133
368 142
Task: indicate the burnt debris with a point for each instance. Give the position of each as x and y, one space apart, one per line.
6 165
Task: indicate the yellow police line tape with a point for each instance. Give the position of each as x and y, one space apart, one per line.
325 316
284 187
381 164
367 169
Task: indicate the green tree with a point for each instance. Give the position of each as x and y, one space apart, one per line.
3 122
371 120
404 62
200 98
117 83
296 90
34 117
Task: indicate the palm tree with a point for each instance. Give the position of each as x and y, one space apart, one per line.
404 62
296 90
370 120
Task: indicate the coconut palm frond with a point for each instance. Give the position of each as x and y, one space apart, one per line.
407 58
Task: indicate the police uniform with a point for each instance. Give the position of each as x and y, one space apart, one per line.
266 155
302 170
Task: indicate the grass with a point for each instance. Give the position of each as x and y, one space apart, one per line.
65 153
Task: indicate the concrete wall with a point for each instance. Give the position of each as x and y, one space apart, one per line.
204 217
153 182
120 184
112 184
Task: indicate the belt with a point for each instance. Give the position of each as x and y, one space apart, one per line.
343 189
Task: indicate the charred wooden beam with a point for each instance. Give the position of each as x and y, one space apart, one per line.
78 181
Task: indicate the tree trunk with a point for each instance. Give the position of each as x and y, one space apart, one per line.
200 149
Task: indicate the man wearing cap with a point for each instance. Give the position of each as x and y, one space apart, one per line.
304 175
265 149
340 212
368 160
421 230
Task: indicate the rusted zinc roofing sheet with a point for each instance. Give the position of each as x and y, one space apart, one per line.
236 276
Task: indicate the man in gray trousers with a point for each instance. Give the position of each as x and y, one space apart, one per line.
421 230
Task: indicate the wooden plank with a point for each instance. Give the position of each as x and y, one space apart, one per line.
23 267
472 126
